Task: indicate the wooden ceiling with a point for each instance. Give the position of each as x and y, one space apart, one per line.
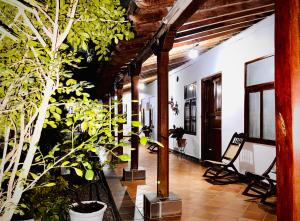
213 22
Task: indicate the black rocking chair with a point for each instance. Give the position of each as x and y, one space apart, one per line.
224 171
262 186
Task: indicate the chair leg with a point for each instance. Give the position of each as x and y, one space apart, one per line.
249 187
205 173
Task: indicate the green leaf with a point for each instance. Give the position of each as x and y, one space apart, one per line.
49 184
136 124
34 176
86 35
84 46
64 46
143 140
89 174
71 82
124 157
56 116
52 124
78 172
84 126
65 163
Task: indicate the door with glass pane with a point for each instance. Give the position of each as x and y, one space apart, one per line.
211 117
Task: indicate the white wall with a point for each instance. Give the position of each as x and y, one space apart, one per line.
228 58
147 95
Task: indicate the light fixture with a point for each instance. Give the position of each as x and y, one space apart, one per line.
193 53
191 87
141 86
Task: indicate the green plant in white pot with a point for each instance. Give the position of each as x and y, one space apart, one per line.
38 39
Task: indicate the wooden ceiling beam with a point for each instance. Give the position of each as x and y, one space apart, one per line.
219 37
148 16
210 32
233 17
150 27
230 9
152 66
153 4
137 42
221 26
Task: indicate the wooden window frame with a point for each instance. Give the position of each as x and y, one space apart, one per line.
252 89
190 100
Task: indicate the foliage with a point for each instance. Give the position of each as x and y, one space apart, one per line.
177 132
39 40
48 203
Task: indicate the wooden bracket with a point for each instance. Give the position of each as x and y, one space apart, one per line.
166 41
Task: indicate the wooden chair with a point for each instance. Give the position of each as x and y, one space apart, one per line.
262 186
223 171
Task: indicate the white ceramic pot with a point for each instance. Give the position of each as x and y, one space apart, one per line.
95 216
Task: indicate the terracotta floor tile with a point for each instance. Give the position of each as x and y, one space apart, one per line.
201 200
225 218
254 215
270 217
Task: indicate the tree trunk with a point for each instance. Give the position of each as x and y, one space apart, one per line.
12 203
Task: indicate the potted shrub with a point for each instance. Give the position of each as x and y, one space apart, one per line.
87 210
81 210
178 132
147 130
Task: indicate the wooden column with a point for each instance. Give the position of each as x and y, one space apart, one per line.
119 87
135 76
165 45
112 109
287 89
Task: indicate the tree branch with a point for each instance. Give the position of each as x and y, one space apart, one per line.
65 33
55 27
46 31
33 29
6 139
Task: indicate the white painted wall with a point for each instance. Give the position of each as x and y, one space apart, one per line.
147 95
228 58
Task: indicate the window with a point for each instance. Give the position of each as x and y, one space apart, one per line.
151 117
260 101
143 116
190 108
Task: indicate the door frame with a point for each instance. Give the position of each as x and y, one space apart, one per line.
203 128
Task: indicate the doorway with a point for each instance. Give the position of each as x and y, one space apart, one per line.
211 111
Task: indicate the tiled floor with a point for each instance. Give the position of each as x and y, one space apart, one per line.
201 200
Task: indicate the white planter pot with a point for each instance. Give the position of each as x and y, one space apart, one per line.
95 216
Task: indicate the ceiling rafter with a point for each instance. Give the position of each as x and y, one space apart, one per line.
213 22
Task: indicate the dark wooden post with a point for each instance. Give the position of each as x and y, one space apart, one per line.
119 87
287 89
163 203
112 109
165 45
134 173
135 78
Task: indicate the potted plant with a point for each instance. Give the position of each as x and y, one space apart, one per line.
87 210
147 130
178 132
81 210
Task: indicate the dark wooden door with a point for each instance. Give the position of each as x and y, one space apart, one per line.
211 117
